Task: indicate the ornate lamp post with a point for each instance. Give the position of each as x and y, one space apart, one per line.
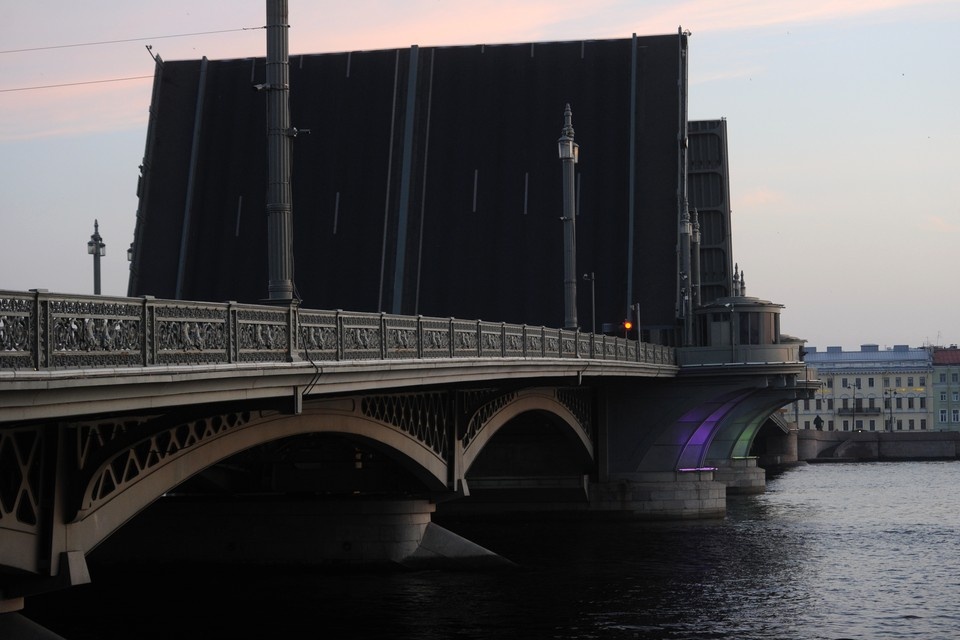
569 156
853 425
593 300
891 394
96 248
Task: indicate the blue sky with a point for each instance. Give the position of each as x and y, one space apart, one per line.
844 122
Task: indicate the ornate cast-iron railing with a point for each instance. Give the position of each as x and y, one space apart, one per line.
41 331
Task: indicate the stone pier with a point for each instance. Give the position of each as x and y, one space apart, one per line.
741 475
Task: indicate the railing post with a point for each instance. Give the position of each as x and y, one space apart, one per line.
453 335
338 328
383 335
39 356
503 339
148 347
420 336
293 323
233 332
479 338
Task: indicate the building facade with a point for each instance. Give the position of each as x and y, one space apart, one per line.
872 390
946 388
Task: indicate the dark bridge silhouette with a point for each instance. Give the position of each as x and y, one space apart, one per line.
426 192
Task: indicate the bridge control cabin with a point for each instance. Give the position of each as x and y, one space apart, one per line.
739 329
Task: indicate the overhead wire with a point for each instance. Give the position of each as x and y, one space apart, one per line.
73 84
105 42
101 42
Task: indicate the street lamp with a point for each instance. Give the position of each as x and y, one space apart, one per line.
891 394
853 425
569 155
96 248
593 301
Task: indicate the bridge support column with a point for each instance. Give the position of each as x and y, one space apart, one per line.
295 532
741 475
660 495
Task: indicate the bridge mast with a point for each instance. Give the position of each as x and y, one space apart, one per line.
569 155
279 196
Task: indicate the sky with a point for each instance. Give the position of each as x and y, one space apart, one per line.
843 119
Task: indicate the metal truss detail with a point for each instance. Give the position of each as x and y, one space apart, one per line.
480 417
130 461
21 463
580 403
425 416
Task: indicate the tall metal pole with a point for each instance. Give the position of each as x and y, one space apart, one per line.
279 196
96 248
569 155
592 277
853 427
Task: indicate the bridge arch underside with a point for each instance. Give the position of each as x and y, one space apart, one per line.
388 446
689 426
534 449
329 450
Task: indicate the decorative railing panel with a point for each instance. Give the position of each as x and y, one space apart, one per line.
189 333
40 330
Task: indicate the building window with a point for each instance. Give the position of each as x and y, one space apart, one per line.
899 403
845 403
806 424
830 425
943 415
844 383
943 377
873 425
899 424
870 403
859 425
923 424
829 383
886 382
897 379
910 423
943 396
955 415
819 404
923 402
956 396
806 405
869 382
846 425
909 403
923 381
955 377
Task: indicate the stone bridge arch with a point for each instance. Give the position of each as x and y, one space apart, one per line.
570 408
120 475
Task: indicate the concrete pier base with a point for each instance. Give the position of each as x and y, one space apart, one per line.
741 475
668 495
302 532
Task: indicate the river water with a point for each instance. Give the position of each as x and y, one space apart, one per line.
829 551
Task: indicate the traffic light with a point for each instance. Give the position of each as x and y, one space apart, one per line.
627 327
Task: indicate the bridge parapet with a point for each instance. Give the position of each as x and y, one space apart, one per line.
41 330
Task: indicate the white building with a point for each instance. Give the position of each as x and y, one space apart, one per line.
869 390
